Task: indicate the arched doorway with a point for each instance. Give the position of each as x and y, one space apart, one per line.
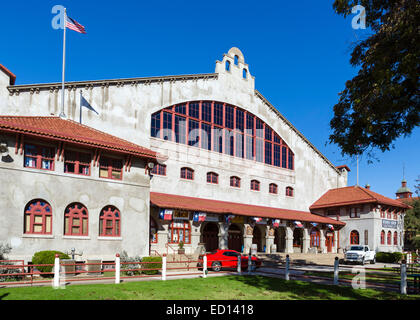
235 240
315 237
211 236
329 240
297 239
256 238
280 239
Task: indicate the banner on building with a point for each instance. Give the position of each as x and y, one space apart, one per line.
298 224
330 226
212 217
275 223
238 219
199 216
181 215
314 224
165 214
229 218
389 224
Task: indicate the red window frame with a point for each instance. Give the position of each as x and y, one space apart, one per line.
255 185
354 237
273 188
235 182
238 134
315 238
395 215
389 214
395 238
382 213
178 231
187 173
382 237
76 212
289 192
38 214
39 157
355 212
111 166
78 164
388 238
159 169
110 222
212 177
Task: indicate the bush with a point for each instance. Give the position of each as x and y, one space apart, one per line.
4 249
389 257
125 258
47 257
157 264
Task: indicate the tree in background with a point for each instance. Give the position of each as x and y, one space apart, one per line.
382 102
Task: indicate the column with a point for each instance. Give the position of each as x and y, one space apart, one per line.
305 240
248 235
195 236
223 235
322 241
269 238
335 249
289 240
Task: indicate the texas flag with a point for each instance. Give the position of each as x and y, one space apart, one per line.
330 226
257 219
314 224
298 224
165 214
199 217
229 218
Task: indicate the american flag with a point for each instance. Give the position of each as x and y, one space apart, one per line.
74 25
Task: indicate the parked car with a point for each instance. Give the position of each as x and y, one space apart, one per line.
219 259
360 254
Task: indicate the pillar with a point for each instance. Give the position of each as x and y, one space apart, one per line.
195 236
322 241
335 244
305 240
289 240
269 238
248 235
223 235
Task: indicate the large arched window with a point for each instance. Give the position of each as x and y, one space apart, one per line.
388 238
395 238
76 220
110 222
179 231
38 217
354 237
222 128
382 237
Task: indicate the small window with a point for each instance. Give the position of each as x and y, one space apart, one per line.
273 189
388 238
354 237
355 212
236 60
159 169
212 177
382 237
109 222
39 157
235 182
179 231
187 173
77 163
76 220
255 185
227 66
110 168
244 73
289 192
395 238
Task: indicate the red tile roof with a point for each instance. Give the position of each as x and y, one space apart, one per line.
55 128
351 196
343 166
172 201
9 73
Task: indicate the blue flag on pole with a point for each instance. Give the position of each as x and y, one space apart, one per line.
84 103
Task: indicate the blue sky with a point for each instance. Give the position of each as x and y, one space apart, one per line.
298 52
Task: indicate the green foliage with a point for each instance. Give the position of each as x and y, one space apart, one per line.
125 258
47 257
389 257
181 244
382 102
412 226
157 264
5 249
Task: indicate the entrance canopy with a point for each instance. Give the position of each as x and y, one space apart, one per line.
172 201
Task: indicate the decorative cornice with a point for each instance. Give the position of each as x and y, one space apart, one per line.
16 89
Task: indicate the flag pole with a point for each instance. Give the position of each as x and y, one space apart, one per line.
62 114
80 106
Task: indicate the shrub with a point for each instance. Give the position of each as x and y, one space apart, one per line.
388 257
47 257
4 249
125 258
157 264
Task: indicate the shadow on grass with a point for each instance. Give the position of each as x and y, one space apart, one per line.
302 290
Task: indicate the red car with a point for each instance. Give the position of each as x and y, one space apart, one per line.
218 259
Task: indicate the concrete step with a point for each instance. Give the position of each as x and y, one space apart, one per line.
299 258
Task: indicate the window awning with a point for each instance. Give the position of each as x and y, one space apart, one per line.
164 200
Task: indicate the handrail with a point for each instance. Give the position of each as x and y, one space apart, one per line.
153 250
167 251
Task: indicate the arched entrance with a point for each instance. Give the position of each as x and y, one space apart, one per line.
297 239
329 240
280 239
235 240
315 238
257 239
211 236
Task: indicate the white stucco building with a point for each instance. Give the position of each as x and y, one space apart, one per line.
231 158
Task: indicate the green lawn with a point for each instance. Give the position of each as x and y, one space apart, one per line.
212 288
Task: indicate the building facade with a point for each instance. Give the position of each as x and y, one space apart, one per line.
237 173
